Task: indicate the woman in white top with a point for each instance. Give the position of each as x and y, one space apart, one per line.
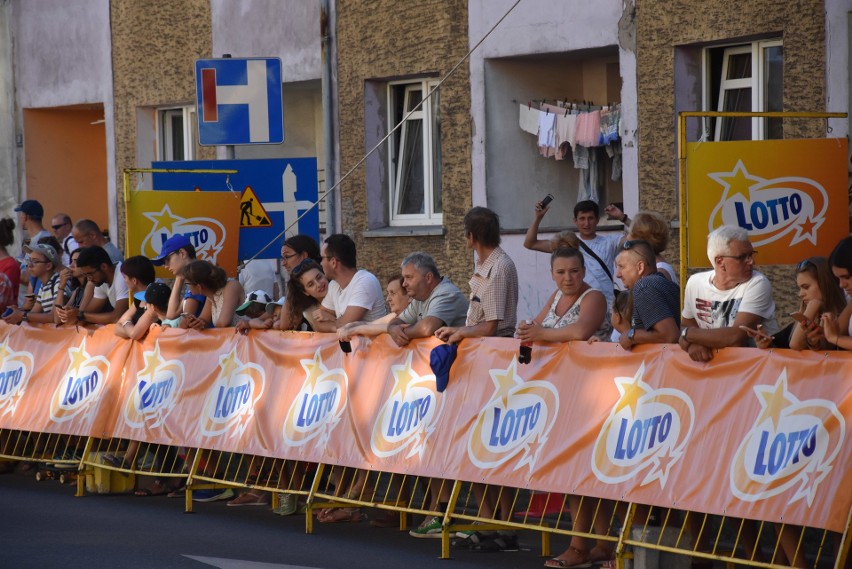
224 295
575 311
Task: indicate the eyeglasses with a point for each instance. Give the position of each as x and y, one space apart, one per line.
740 258
88 274
804 264
59 226
35 262
288 257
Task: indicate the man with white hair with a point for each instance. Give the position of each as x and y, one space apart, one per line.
718 302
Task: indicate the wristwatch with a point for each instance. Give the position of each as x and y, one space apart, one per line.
630 334
683 332
81 316
25 317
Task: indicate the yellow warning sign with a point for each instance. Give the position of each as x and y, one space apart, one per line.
252 213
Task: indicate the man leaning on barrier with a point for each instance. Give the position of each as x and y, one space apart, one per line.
720 303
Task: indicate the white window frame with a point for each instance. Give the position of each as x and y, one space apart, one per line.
165 150
755 82
425 114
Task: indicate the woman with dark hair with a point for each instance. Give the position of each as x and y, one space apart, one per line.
138 273
224 295
838 330
819 293
298 248
306 289
10 269
72 279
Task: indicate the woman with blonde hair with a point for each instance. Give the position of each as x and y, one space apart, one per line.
652 227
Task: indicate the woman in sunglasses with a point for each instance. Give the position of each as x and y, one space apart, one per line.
306 289
819 293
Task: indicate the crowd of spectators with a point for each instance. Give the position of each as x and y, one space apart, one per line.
608 287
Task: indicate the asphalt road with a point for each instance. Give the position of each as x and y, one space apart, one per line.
43 525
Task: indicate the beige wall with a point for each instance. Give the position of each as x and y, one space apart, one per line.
664 25
382 39
155 45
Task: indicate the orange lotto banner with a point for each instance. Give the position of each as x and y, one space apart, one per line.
790 195
210 220
753 434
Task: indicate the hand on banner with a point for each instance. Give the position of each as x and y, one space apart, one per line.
190 321
528 331
830 328
15 317
397 332
449 334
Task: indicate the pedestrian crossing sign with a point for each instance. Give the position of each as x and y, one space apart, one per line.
252 213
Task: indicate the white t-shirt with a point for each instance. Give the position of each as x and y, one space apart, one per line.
605 246
364 291
713 308
115 291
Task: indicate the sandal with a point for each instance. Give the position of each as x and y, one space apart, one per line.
341 515
156 489
560 563
601 554
251 498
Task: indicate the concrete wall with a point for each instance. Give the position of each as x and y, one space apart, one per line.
8 124
669 36
563 34
155 45
381 40
63 58
838 26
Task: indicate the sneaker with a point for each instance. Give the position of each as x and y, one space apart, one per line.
467 533
288 506
430 528
212 495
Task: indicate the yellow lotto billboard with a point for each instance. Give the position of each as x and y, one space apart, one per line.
211 221
790 195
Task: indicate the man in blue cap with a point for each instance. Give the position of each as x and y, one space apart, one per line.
30 215
177 252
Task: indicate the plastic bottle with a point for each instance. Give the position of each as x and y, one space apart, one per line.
525 353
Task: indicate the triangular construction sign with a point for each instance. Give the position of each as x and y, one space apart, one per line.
252 213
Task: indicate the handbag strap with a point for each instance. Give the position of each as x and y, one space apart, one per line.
588 250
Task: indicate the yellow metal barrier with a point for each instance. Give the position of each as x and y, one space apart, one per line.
626 530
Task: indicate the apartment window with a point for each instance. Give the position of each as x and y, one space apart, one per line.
415 154
177 129
746 78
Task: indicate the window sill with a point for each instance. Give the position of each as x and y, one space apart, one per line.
405 231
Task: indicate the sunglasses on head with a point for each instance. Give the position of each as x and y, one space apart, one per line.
304 266
804 264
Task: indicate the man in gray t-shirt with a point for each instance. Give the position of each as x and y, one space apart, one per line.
435 301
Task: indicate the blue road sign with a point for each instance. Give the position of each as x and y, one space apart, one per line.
285 188
239 101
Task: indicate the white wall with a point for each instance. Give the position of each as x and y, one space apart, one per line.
837 29
8 127
63 57
540 27
289 29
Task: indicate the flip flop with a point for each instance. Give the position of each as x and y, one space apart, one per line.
342 515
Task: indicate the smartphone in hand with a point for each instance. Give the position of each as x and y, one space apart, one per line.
546 201
757 334
801 319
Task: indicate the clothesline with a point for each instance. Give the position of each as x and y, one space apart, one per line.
562 129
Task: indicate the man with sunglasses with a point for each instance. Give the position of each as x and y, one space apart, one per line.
656 299
719 304
61 225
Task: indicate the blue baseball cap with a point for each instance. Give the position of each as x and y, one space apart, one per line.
172 244
32 208
441 360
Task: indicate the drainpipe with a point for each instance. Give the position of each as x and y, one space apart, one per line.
328 113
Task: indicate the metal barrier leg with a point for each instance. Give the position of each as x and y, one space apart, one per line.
309 501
